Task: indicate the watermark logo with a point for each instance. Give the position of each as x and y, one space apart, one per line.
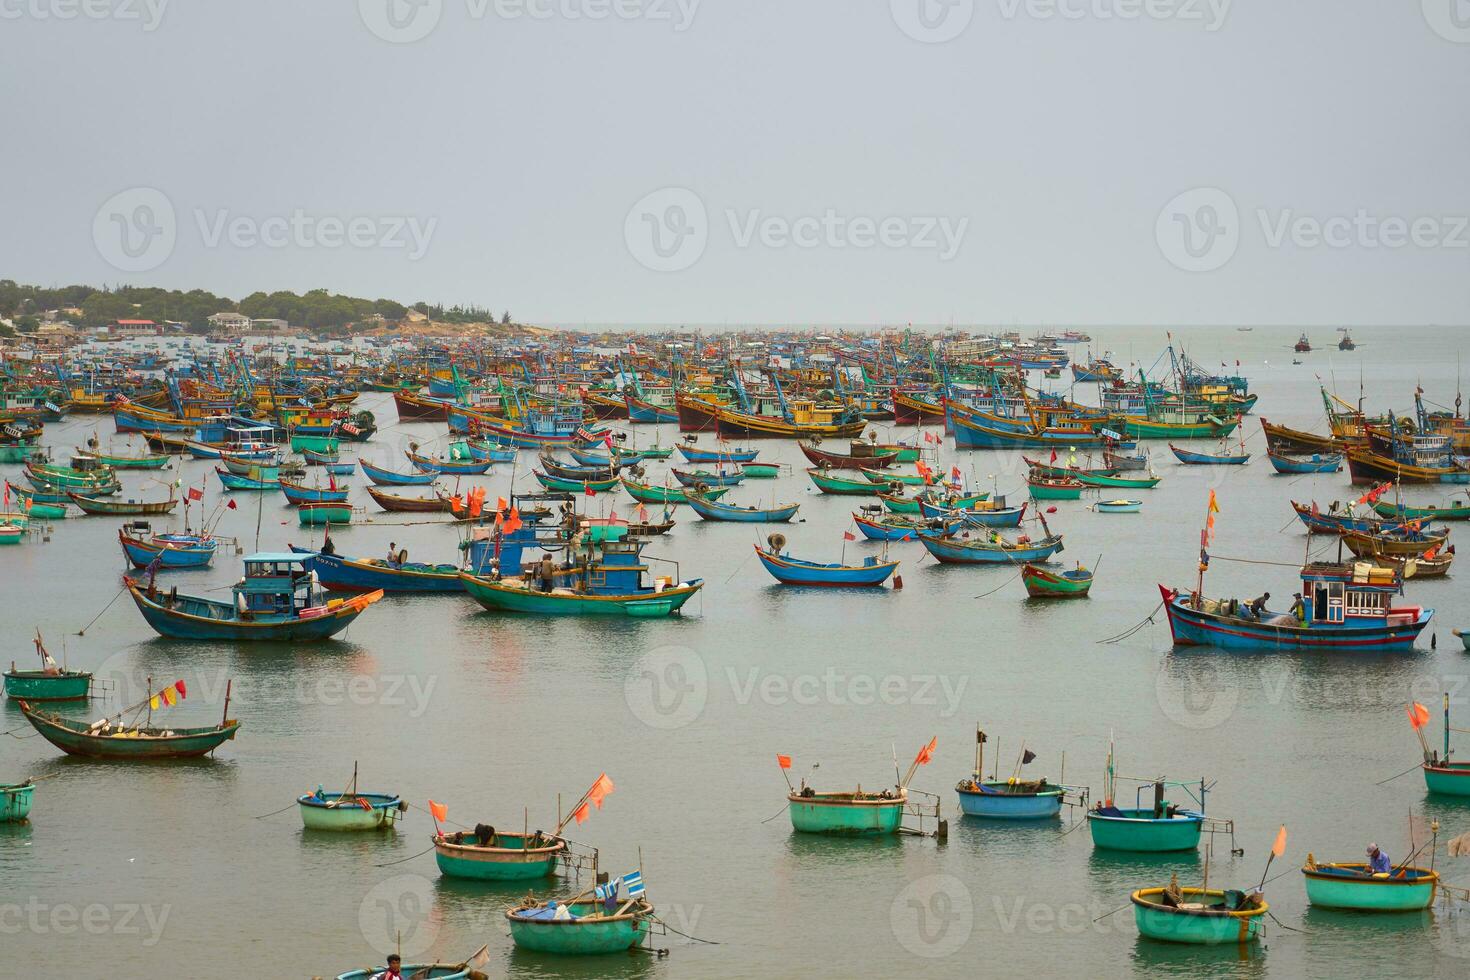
933 916
841 689
400 21
148 13
1450 19
1198 695
832 230
932 21
1362 230
668 230
301 229
122 919
135 230
397 916
667 688
1210 13
1199 230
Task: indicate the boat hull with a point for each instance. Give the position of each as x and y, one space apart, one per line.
1350 886
1140 831
578 937
176 624
502 598
35 685
505 862
814 815
381 813
15 802
1202 927
1042 805
1448 778
1198 627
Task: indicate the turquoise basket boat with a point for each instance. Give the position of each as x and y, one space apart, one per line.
349 811
999 799
1354 886
588 931
1449 778
468 970
37 685
868 814
1140 830
512 857
15 801
1208 918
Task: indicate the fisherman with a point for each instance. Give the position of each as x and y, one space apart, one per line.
547 572
1258 604
1298 607
392 553
392 972
1378 862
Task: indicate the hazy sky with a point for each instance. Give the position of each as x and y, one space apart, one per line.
828 161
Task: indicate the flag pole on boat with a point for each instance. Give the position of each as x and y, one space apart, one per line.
1277 849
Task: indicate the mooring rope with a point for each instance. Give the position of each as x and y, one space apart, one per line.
409 858
708 942
83 630
1147 621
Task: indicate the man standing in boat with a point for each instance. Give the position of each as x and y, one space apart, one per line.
392 558
1258 604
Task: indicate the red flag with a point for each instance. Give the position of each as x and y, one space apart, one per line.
439 810
179 686
1053 456
927 752
848 536
194 493
784 761
955 472
607 440
500 503
331 480
587 488
612 514
231 505
600 790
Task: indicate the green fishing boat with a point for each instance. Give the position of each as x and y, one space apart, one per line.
760 471
1144 829
1054 488
1122 482
579 928
1355 886
558 484
648 494
828 483
1452 511
1197 916
42 510
910 505
15 801
144 461
891 476
1143 427
508 857
316 514
316 444
51 682
858 814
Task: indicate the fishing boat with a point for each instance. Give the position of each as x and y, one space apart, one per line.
1221 458
121 461
99 483
796 571
501 856
1442 772
1013 798
1455 510
562 471
343 574
761 471
1356 886
11 533
388 478
1301 463
612 457
1042 583
649 494
695 478
713 510
1404 541
132 742
143 549
990 548
861 455
452 467
562 485
1198 916
1463 636
889 477
483 449
1096 479
38 505
300 493
320 513
349 810
1054 487
51 682
468 970
693 454
123 508
980 513
1303 345
15 801
847 813
580 928
1118 506
951 500
234 481
846 486
275 600
409 505
896 527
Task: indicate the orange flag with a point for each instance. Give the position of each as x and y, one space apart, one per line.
513 522
927 752
581 813
439 810
1418 715
784 761
1279 847
599 790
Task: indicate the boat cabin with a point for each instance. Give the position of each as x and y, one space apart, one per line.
275 584
1338 592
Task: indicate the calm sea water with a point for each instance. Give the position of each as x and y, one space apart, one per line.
171 869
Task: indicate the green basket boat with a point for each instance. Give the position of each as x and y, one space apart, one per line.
1138 829
317 444
317 514
1354 886
861 814
349 811
1208 918
15 801
760 471
38 685
1449 778
512 857
588 930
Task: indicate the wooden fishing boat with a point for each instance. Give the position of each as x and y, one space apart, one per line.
1281 439
349 811
1301 463
11 533
142 461
1198 916
588 928
887 477
604 460
324 512
133 743
51 682
990 548
99 483
1160 828
263 468
1010 799
861 455
713 510
409 505
342 574
1118 506
483 449
40 505
827 483
1395 541
1222 458
856 813
452 467
15 801
895 527
1054 488
1042 583
233 481
300 493
649 494
805 421
1455 510
123 508
275 600
693 454
426 971
1355 886
761 471
1207 427
898 504
980 513
1366 466
696 478
388 478
1463 636
416 407
574 486
796 571
167 550
561 471
505 857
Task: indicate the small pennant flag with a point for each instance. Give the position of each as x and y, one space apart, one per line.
600 790
438 810
784 761
581 813
634 881
1418 715
848 536
179 686
587 488
195 493
1028 757
231 505
1279 848
927 752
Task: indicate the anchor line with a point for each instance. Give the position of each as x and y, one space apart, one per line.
1147 621
708 942
409 858
83 630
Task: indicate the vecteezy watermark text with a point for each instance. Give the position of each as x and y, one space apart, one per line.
406 21
300 229
147 13
95 919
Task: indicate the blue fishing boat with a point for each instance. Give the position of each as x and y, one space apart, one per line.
1222 458
1340 518
795 571
1013 798
276 600
388 478
1302 463
298 493
342 574
234 481
694 455
978 513
604 460
896 527
1118 506
990 548
454 467
694 478
1347 606
143 549
714 510
494 452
